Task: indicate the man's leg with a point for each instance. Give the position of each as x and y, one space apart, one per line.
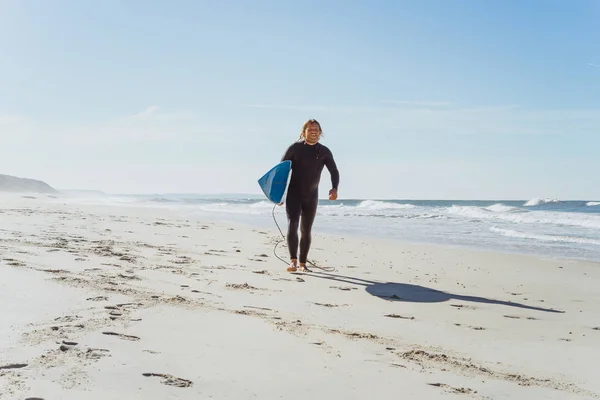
293 208
309 211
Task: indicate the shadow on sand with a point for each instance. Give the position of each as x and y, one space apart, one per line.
418 294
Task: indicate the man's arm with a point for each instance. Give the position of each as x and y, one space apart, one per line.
333 170
289 154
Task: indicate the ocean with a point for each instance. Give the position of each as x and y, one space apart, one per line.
544 227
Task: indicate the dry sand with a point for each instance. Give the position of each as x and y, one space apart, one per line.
104 302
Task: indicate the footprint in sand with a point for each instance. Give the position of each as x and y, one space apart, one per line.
517 317
344 288
67 345
15 263
199 291
475 328
13 366
461 306
123 306
182 260
56 271
260 308
243 286
328 305
115 314
171 380
122 336
96 354
261 272
98 298
67 318
451 389
398 316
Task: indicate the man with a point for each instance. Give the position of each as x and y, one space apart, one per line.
308 158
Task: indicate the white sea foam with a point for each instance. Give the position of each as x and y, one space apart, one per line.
261 204
383 205
528 217
592 203
538 201
499 207
544 237
369 208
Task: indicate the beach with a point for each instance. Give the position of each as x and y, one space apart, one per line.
125 302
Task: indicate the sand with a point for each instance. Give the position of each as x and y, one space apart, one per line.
106 302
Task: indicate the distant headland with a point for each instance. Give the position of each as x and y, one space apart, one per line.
15 184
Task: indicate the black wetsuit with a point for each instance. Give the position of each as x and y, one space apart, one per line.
303 191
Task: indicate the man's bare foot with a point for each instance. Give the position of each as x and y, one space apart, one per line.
293 266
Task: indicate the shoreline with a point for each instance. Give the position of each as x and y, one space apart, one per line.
318 230
320 233
154 304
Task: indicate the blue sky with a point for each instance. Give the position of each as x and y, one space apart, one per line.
417 99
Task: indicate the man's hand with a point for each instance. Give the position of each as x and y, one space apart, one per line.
333 194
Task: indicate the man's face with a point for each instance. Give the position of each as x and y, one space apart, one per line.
312 133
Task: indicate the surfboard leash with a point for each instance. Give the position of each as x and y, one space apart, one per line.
283 238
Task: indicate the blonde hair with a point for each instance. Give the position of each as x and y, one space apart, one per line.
306 124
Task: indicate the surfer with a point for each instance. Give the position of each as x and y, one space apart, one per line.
308 158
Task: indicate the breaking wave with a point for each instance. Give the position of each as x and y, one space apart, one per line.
537 202
545 237
528 217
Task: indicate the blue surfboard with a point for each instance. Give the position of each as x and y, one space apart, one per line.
275 181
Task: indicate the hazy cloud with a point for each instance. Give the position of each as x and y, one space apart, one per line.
445 118
289 107
400 119
10 119
416 103
152 114
146 113
145 126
